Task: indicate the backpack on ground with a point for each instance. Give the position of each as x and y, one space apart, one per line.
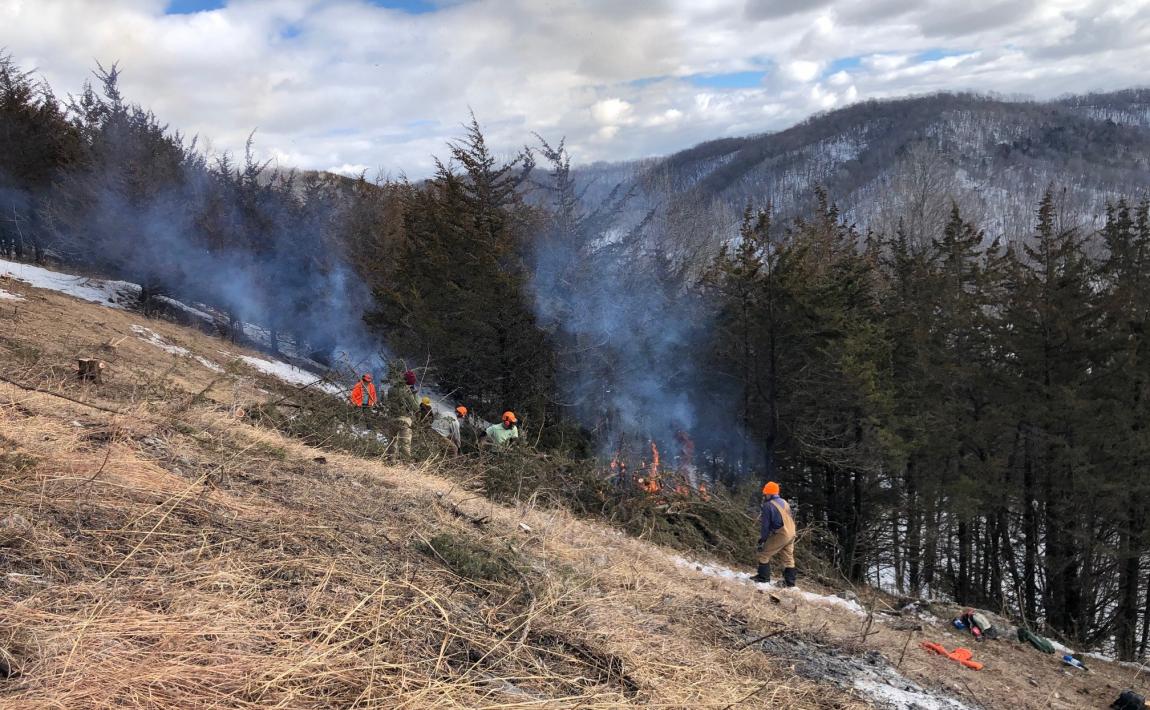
979 625
1038 642
1129 700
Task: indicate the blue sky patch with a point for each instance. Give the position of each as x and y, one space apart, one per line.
411 7
843 64
190 7
290 32
730 80
933 55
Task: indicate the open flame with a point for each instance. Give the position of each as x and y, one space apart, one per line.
653 477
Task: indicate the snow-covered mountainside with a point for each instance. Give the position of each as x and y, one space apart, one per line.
907 159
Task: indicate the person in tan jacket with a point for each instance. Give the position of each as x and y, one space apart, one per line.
776 538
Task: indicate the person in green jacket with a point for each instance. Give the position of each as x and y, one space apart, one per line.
402 407
500 435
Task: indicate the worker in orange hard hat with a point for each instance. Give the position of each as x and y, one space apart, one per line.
777 537
500 435
363 394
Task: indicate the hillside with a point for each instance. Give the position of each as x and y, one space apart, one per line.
883 161
161 549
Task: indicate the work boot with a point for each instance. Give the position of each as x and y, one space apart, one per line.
763 576
790 574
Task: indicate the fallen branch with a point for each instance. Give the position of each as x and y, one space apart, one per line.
30 388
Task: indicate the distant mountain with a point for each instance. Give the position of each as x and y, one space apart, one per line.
906 159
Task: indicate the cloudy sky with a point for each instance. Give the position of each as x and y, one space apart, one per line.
380 85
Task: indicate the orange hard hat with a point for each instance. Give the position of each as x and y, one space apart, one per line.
367 377
461 411
510 417
770 488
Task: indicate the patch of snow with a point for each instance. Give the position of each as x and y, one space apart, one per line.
916 610
5 296
1060 648
361 432
1110 659
153 338
831 599
713 570
911 697
810 597
194 312
291 374
108 293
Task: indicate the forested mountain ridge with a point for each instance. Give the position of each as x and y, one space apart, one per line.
907 159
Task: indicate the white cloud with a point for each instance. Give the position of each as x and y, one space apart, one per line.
801 70
612 112
349 84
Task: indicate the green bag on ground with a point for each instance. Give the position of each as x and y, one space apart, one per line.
1035 640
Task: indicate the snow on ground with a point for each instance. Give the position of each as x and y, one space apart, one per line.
885 686
1110 659
292 374
911 697
1065 650
810 597
180 305
108 293
117 294
150 336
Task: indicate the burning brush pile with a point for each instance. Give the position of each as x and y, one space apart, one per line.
650 476
637 489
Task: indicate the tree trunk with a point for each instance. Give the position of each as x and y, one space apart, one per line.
1126 616
913 532
1030 531
90 370
962 583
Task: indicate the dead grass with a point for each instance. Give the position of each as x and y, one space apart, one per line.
172 556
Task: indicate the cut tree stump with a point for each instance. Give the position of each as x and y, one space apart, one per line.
91 369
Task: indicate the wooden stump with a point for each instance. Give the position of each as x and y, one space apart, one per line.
90 369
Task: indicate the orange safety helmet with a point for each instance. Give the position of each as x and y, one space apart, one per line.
367 377
770 488
461 411
509 416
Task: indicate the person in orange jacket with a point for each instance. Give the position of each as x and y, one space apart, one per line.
363 394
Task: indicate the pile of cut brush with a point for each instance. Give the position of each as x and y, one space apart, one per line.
716 524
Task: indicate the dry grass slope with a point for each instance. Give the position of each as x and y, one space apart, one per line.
156 551
172 556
